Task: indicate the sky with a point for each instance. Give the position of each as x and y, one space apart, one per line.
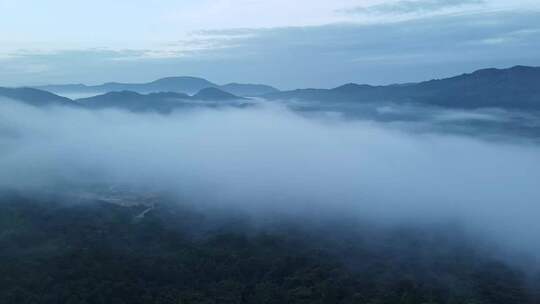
288 44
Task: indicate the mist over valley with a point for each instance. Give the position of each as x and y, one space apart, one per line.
407 187
270 152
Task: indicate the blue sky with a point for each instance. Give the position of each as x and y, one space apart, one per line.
289 44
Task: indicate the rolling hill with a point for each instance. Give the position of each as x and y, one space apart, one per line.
34 97
513 88
186 85
159 102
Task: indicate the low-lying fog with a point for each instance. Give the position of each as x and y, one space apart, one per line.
487 123
269 160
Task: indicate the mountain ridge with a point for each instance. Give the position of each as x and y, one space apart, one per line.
35 97
515 87
176 84
215 94
163 102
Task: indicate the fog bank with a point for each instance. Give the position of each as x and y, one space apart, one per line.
268 160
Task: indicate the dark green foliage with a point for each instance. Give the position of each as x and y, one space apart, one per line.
98 253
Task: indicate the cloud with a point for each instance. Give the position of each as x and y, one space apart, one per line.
404 51
412 6
292 57
266 161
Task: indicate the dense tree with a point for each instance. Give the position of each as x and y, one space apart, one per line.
98 253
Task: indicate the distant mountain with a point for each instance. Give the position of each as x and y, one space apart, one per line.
517 88
159 102
133 101
34 97
248 90
213 94
186 85
128 100
513 88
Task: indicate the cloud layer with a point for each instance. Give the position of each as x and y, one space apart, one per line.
266 160
413 6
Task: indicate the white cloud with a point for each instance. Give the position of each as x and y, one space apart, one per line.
413 6
142 24
273 160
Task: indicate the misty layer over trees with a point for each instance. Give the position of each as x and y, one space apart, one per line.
264 204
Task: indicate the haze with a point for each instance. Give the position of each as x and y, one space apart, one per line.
256 151
266 160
